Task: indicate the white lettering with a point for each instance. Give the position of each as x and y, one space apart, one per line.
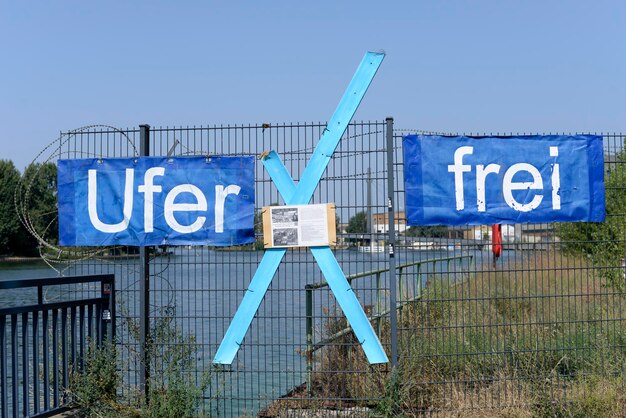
481 175
508 186
556 181
220 200
458 168
92 193
149 188
171 207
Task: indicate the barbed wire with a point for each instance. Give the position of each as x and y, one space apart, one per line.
49 251
59 258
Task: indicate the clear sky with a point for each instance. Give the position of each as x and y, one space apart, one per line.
470 66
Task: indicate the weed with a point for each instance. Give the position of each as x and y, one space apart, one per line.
542 339
97 389
93 389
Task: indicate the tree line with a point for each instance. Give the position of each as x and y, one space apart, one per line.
36 191
604 243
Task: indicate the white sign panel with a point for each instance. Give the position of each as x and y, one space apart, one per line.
299 226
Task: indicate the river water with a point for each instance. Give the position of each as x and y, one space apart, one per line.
206 287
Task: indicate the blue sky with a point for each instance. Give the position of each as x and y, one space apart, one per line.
470 66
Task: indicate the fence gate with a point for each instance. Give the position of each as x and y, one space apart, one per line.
537 334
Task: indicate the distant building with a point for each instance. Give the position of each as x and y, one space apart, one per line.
518 233
380 222
483 232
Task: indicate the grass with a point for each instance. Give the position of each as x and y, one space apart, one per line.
543 338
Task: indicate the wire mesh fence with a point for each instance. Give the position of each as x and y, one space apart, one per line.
540 330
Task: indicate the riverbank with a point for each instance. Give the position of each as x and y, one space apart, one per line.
9 260
542 337
18 260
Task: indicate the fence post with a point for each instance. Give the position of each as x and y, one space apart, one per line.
107 291
309 338
401 290
144 287
112 309
379 308
419 281
393 313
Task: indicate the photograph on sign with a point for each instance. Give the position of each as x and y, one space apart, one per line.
299 226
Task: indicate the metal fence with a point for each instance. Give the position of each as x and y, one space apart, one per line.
45 335
470 338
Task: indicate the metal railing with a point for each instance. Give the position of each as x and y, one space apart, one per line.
43 341
454 265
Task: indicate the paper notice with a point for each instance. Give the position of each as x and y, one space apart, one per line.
299 225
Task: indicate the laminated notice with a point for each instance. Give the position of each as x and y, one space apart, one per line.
299 226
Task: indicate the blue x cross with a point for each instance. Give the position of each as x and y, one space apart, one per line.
301 194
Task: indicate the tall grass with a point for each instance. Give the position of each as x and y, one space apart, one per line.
546 337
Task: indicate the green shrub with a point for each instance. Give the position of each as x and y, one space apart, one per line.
96 387
603 242
93 387
173 390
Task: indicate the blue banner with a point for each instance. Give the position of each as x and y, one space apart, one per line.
156 201
459 180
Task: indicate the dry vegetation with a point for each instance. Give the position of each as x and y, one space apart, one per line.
547 338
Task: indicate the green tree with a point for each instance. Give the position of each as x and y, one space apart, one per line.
9 222
427 231
38 195
357 224
603 242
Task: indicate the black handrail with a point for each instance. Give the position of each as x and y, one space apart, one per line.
35 368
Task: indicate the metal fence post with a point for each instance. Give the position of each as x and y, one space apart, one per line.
309 338
144 287
107 291
379 308
393 313
4 398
